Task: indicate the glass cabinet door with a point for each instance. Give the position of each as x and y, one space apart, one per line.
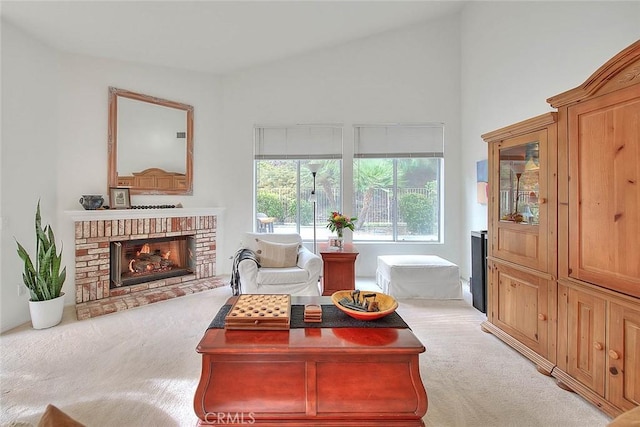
522 189
519 187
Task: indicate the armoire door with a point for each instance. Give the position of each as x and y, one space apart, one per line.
624 356
520 306
586 341
604 191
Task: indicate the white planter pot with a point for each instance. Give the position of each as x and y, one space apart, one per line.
45 314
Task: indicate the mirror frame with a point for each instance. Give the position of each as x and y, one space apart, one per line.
112 177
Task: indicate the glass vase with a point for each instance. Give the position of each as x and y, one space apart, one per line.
337 242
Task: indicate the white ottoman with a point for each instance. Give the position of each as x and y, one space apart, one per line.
418 276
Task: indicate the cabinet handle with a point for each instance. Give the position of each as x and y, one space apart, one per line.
614 355
542 200
597 346
542 316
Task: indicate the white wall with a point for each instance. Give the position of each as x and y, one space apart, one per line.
29 150
515 55
410 75
83 117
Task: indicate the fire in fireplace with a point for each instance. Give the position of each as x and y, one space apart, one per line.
145 260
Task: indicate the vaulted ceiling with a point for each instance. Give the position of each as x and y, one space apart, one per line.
211 36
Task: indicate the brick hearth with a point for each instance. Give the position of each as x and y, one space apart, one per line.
95 230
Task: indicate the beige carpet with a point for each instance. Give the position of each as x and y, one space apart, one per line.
140 368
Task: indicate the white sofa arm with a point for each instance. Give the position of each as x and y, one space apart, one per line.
248 271
309 261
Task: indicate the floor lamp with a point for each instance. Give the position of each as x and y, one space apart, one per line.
313 167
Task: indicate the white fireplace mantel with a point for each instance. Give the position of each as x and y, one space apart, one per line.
111 214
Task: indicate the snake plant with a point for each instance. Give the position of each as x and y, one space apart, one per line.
43 279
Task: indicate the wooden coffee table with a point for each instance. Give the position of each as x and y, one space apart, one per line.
311 377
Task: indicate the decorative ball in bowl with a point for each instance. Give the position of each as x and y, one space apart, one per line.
364 305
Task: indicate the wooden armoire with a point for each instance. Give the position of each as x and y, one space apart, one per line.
564 236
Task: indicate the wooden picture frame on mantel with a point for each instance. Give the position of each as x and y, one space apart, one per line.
119 198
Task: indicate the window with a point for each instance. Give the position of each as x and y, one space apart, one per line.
284 182
397 182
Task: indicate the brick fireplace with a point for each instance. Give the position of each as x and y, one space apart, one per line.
97 232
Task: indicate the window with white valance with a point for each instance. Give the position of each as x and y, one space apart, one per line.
397 182
284 182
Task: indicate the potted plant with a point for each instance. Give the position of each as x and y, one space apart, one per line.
44 278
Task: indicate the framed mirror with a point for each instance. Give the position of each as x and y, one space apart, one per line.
150 144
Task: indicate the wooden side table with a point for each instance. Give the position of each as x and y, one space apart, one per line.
339 271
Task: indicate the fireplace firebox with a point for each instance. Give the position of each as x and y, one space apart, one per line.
145 260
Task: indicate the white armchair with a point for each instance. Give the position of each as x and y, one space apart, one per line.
299 279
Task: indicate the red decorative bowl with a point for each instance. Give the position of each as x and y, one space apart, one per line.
386 303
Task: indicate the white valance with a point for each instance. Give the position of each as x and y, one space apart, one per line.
399 140
298 142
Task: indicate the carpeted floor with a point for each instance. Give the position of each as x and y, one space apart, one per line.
140 368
